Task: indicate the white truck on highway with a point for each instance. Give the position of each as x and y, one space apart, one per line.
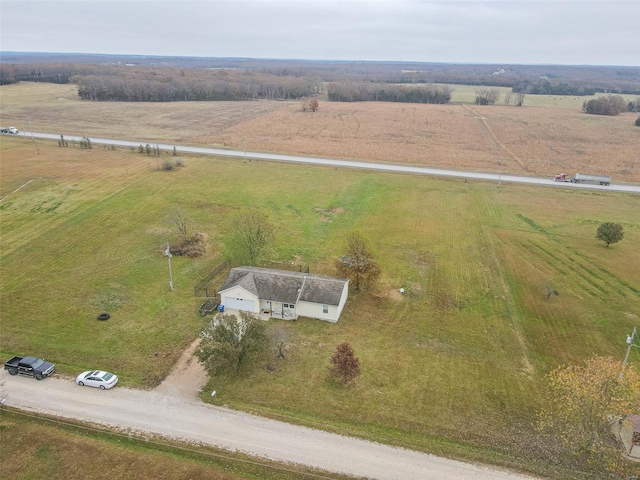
11 130
581 178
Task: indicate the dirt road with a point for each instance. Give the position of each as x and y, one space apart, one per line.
174 411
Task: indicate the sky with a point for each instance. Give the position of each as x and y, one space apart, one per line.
573 32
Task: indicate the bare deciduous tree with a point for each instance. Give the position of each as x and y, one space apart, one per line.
250 238
507 97
182 222
280 335
520 99
313 105
487 97
358 264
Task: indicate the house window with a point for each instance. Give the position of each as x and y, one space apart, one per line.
325 308
287 305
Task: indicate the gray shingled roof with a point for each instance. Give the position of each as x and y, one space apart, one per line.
284 286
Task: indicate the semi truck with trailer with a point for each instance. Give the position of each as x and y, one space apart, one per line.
583 178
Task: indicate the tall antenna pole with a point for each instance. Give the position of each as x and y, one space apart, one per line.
167 252
630 339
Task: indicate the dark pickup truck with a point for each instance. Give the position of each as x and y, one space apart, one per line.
30 367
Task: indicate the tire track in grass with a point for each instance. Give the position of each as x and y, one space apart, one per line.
516 322
491 213
605 271
587 273
553 260
75 197
57 227
484 123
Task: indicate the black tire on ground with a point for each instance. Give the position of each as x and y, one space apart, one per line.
101 387
81 384
104 316
13 371
38 376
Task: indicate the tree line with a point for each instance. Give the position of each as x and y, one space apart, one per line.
217 86
376 92
46 72
249 79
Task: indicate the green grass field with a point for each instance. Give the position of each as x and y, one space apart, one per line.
467 94
454 366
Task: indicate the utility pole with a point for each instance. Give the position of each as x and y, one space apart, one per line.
630 340
244 142
167 252
500 176
32 139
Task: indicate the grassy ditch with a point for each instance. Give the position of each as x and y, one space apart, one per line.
41 447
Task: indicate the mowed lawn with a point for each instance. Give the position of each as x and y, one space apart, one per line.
455 363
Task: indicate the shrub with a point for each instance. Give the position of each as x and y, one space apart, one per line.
346 366
609 105
168 165
193 246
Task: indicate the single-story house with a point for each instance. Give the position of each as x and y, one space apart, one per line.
284 294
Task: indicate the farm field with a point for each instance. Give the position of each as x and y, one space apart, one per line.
467 94
538 140
454 366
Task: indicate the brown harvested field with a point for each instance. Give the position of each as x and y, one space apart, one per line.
56 108
538 141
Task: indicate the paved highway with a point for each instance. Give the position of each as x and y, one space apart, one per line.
491 177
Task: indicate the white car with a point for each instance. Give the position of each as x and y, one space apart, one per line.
97 378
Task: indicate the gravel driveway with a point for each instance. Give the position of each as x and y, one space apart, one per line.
173 410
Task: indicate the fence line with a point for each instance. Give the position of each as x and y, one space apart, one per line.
202 285
288 266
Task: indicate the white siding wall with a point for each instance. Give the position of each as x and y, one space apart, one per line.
239 292
304 309
265 305
343 299
314 310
